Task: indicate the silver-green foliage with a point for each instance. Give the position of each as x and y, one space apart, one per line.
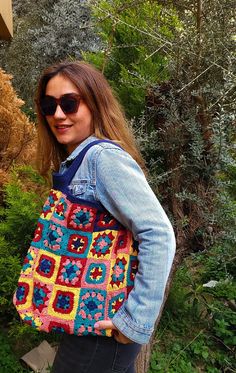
45 32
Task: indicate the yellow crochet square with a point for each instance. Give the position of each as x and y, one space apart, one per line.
63 302
102 244
46 267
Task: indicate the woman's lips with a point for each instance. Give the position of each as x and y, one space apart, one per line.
62 128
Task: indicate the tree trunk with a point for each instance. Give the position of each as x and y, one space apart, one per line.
143 360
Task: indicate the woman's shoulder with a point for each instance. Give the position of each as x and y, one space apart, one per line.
109 156
111 159
107 144
106 148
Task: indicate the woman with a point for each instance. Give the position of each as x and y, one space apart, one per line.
75 107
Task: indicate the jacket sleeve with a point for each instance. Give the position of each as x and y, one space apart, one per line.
124 191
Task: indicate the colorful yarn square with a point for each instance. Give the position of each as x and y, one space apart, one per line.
79 244
40 296
81 218
96 273
70 271
102 245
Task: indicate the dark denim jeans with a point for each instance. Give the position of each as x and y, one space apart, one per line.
94 355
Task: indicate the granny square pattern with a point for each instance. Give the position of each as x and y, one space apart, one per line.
80 266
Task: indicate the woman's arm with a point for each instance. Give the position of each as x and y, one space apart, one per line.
124 191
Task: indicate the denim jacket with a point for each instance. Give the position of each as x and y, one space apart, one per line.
110 175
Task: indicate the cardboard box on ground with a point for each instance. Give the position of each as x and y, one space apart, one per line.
40 358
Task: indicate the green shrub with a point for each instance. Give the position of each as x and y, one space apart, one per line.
218 263
197 329
9 272
21 210
8 361
18 218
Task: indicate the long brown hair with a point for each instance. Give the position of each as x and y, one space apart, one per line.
107 115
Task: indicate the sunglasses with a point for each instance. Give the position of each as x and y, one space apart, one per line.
69 104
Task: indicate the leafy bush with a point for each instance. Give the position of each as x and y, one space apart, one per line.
8 361
197 329
9 272
21 209
18 220
63 23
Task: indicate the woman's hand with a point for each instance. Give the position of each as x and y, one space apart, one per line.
108 324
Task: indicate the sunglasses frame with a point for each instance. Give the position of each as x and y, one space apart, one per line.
58 101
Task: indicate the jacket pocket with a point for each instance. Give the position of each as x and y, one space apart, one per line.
79 187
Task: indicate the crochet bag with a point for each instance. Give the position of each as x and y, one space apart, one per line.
80 266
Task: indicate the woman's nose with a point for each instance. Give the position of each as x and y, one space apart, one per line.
59 113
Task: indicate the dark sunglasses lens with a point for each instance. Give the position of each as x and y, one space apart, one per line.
69 104
48 105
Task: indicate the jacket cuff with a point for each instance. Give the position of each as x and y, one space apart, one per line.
130 329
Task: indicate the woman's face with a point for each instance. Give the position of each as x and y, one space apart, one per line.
69 129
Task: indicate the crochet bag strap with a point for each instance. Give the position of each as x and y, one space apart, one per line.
70 172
